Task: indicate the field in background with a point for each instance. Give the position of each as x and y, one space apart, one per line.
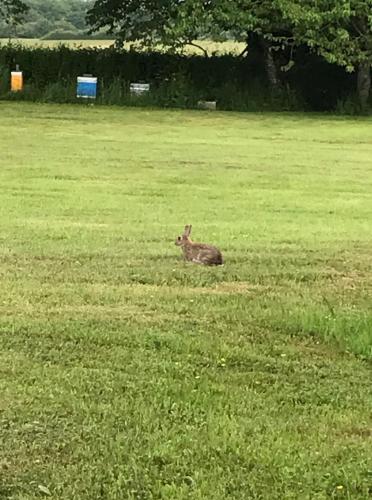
209 46
129 374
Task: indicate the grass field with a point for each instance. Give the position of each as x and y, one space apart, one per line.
126 373
210 46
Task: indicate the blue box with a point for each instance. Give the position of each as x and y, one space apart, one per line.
86 87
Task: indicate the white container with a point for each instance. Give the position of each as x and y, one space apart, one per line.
139 88
209 105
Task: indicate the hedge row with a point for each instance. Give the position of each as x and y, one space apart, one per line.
176 80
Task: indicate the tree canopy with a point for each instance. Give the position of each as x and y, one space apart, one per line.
338 30
176 23
12 11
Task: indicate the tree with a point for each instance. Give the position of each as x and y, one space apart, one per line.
12 11
339 30
176 23
150 21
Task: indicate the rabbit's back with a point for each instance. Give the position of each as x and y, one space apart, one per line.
202 253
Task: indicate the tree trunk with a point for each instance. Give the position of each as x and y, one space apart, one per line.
260 52
364 83
271 69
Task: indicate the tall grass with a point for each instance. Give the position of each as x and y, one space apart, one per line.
176 93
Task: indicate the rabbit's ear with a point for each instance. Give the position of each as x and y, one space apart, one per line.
187 231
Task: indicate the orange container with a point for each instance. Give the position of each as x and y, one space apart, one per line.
16 81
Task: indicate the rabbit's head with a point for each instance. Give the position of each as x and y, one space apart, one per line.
185 238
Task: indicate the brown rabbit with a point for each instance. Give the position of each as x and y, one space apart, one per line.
200 253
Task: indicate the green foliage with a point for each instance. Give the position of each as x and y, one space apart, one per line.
177 81
47 16
12 11
236 83
341 30
4 80
176 23
127 374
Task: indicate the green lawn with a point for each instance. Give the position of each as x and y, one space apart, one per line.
126 373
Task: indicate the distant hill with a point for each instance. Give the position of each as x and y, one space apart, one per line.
51 19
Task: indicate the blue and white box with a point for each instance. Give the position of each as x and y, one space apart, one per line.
86 87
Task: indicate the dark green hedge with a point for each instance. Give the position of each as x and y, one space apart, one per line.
236 83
